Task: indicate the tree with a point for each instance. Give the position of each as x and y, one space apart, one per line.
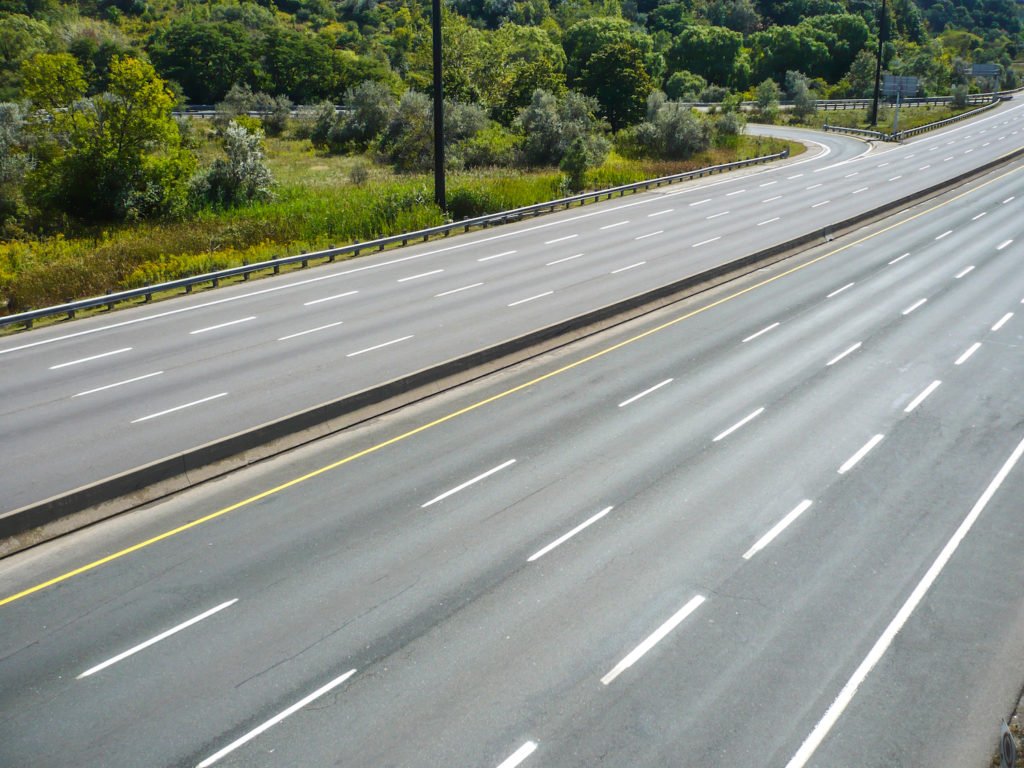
710 52
523 59
767 97
21 38
14 164
738 15
119 154
673 132
780 49
51 81
585 38
616 77
797 89
206 58
240 177
685 86
550 124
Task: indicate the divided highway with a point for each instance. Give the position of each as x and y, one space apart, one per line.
89 399
777 524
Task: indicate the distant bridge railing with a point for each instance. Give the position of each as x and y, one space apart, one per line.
213 278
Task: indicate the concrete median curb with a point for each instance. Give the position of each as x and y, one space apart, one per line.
50 518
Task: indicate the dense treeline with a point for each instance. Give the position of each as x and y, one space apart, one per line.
86 132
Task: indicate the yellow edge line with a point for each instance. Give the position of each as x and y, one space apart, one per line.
475 406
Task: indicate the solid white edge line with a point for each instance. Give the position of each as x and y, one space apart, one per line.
843 354
738 424
379 346
276 719
179 407
468 483
647 391
531 298
920 398
623 269
457 290
913 306
838 706
92 357
222 325
653 639
311 330
837 291
778 528
753 336
154 640
851 462
966 355
417 277
1002 321
566 536
519 755
118 384
1003 245
963 272
329 298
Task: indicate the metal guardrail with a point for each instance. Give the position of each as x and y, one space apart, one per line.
900 135
330 254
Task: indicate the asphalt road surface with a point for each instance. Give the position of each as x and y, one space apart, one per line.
777 524
85 400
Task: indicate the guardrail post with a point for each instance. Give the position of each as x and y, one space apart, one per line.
277 267
188 288
305 263
215 282
28 325
148 298
71 314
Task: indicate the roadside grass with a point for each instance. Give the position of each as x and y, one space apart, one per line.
317 205
910 117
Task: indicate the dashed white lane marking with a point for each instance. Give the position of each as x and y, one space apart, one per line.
496 256
768 183
1002 321
655 637
649 234
616 224
778 528
700 202
823 202
913 306
753 336
631 266
154 640
844 353
742 422
468 483
967 354
896 178
1003 245
947 159
851 462
768 221
772 199
975 218
118 384
222 325
962 272
378 346
836 709
851 175
566 536
716 215
705 242
421 274
796 176
737 192
457 290
944 234
276 719
968 151
837 291
329 298
881 165
899 258
530 298
311 330
920 398
519 755
858 191
179 407
1009 199
660 213
559 239
924 168
560 261
646 392
90 358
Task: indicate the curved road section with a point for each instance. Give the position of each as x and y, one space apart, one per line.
90 399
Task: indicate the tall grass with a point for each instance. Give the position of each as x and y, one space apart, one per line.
305 215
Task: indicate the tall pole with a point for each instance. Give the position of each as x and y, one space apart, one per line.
439 191
878 64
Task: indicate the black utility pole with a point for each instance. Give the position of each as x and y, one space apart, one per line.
882 24
439 192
